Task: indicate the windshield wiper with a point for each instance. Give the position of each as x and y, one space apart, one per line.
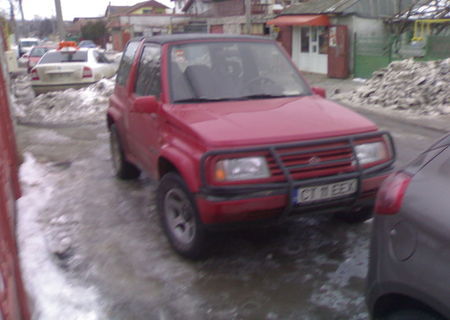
249 97
268 96
202 100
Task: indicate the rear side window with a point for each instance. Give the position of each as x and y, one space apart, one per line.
38 52
62 57
127 61
148 81
100 57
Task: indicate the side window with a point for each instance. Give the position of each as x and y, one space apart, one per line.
102 58
127 61
148 81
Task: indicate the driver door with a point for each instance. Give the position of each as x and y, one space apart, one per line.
143 127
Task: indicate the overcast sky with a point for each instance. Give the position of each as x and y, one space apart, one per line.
70 8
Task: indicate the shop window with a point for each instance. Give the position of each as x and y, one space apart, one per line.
323 40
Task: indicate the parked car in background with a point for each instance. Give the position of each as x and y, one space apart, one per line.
36 54
87 44
409 267
70 67
234 134
25 45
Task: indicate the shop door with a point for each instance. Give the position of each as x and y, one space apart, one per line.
311 46
338 52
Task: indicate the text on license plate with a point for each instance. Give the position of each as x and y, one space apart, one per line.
326 191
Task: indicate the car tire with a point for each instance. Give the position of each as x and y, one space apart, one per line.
122 168
411 314
358 215
179 217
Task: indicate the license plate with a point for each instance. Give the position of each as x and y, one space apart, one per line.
59 75
325 192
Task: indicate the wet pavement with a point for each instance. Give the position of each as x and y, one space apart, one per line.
105 233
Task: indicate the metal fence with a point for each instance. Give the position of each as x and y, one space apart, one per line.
370 54
373 53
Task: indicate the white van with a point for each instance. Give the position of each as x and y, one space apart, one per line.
25 45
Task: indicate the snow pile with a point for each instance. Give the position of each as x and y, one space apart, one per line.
86 105
52 294
419 87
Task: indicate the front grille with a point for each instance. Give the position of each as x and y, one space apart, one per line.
312 161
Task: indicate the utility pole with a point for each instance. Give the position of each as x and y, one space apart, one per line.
59 20
248 16
13 21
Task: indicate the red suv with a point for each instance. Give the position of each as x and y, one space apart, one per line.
234 134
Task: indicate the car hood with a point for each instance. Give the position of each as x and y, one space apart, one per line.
253 122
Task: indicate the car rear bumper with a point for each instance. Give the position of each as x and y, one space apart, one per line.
217 209
43 88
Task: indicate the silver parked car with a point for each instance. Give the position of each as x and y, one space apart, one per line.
409 267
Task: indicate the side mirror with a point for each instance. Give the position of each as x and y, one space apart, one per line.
319 91
145 105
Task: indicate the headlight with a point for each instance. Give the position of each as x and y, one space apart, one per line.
371 152
241 169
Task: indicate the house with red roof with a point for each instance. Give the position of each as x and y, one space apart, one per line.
145 18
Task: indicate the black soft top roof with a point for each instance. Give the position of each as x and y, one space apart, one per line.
197 36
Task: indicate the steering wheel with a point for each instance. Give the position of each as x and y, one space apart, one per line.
260 85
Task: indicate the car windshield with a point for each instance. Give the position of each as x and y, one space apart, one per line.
38 52
28 43
214 71
87 44
63 57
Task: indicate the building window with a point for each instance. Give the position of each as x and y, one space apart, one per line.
304 35
256 28
146 11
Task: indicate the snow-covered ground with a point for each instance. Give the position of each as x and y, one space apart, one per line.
86 105
54 295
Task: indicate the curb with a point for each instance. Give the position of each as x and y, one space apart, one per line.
56 125
441 124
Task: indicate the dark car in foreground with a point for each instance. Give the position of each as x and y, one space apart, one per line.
233 134
409 268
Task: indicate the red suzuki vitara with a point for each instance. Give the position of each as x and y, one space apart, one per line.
233 133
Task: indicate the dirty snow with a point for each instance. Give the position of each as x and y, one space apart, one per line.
71 106
420 88
54 296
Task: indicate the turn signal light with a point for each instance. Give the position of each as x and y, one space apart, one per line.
391 194
87 72
34 75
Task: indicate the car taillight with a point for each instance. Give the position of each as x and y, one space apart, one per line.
391 194
87 72
34 75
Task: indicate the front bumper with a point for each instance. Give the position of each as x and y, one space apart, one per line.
215 209
248 202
